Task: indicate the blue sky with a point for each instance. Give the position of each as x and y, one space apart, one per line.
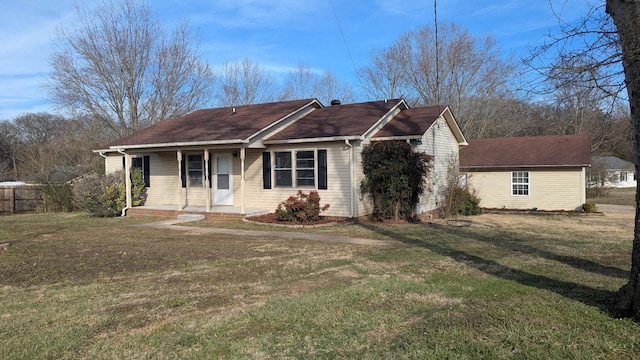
277 34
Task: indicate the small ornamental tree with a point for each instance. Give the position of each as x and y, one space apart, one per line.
394 178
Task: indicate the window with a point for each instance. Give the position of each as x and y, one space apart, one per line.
520 183
141 163
305 168
194 168
307 165
283 169
623 176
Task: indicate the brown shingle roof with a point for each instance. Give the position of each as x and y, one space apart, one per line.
214 124
411 122
337 121
519 152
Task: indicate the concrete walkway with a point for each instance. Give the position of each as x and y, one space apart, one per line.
174 224
616 209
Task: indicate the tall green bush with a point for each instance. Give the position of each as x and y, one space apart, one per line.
394 178
105 196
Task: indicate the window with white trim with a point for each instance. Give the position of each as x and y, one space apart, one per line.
520 183
305 168
283 168
195 170
299 168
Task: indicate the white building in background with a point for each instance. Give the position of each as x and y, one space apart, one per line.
610 171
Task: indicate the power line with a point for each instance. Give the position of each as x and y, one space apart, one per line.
343 37
435 20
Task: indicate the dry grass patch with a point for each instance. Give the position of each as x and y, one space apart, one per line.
80 288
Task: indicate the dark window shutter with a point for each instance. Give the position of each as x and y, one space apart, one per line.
183 171
145 171
266 170
209 173
322 169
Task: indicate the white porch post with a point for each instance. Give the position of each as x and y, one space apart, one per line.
180 199
242 156
207 182
127 179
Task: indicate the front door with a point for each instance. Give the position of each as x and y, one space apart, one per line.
222 180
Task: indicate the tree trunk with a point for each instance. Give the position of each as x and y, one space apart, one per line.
626 17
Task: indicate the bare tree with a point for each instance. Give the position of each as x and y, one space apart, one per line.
328 88
121 66
242 83
384 78
303 83
463 71
298 84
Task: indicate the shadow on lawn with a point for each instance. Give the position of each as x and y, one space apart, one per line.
602 299
513 243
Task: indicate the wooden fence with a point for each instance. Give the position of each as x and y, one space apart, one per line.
18 199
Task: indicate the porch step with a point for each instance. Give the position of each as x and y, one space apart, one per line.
191 217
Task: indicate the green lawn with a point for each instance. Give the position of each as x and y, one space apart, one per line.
500 287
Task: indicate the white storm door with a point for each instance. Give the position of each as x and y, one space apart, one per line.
222 180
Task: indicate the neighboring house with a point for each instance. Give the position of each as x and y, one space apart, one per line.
248 159
610 171
544 172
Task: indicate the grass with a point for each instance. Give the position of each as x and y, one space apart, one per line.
505 287
614 196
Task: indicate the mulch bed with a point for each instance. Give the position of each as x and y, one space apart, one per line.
270 218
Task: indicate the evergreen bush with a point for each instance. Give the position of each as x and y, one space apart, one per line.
394 178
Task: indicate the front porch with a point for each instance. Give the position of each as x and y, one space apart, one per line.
215 212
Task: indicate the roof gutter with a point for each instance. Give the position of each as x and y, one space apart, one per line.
310 140
522 166
177 144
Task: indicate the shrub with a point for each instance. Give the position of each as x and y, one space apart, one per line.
394 178
470 206
589 207
105 196
302 207
59 197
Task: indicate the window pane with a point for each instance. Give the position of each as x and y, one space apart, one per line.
283 160
283 178
136 163
305 168
223 181
283 169
194 166
520 183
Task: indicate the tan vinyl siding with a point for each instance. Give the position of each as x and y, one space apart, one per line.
337 194
163 176
439 142
548 189
113 162
364 203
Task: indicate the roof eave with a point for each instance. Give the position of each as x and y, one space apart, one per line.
392 138
484 167
311 140
174 144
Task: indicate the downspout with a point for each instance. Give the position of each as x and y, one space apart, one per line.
351 178
127 181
